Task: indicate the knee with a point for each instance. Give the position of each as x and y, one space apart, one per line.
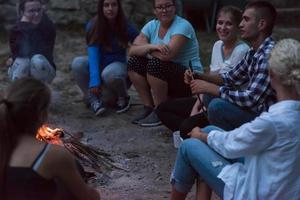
78 64
185 127
132 61
190 148
23 62
115 70
39 60
154 63
215 107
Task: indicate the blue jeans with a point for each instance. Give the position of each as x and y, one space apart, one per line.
228 116
37 67
195 159
113 71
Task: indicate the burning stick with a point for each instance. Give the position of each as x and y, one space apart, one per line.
83 152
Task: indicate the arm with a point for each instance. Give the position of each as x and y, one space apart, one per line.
19 40
59 158
197 133
251 138
94 66
175 44
204 87
140 46
258 82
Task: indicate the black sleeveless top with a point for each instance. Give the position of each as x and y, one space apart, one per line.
24 183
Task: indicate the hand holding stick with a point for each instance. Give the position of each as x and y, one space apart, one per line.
198 96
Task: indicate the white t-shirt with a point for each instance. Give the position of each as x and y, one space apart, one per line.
218 62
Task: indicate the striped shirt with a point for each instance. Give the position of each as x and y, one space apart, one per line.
248 84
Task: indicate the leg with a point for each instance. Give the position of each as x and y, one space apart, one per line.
19 69
189 123
228 116
137 75
114 77
159 89
80 70
194 159
41 69
174 111
203 190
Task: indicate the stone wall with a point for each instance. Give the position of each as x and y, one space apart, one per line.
77 12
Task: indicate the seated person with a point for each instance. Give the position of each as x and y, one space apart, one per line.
31 42
108 35
29 168
226 53
159 57
241 94
269 144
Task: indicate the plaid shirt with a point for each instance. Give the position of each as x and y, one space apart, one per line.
248 84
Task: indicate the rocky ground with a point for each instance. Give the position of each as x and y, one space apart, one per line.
147 153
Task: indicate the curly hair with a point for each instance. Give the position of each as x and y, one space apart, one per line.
285 62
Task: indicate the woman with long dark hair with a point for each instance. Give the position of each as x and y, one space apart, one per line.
29 168
108 36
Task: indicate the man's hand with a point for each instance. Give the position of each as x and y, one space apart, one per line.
201 87
197 133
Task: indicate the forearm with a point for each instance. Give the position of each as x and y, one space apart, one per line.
140 50
212 78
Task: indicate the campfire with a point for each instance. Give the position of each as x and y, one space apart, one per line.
95 158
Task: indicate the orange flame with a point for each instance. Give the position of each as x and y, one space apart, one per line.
49 135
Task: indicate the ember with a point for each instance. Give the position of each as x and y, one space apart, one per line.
97 159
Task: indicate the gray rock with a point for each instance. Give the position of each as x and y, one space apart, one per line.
65 4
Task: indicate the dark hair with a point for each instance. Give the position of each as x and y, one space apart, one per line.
22 3
21 112
266 11
236 13
174 2
101 32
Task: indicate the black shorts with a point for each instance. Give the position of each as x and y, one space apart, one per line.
172 73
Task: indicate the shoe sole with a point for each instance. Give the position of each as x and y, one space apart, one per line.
123 110
100 111
150 125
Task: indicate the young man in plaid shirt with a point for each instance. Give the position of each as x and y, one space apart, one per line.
241 94
244 92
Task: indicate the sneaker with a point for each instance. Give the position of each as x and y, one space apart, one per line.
144 113
151 120
122 104
96 104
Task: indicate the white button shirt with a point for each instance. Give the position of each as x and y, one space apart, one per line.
270 145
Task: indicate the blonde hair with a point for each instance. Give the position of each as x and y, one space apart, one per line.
285 62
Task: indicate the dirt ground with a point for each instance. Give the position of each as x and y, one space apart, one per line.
147 153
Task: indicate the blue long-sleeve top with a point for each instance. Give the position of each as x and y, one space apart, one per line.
99 57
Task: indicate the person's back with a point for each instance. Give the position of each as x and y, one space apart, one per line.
25 182
29 168
274 165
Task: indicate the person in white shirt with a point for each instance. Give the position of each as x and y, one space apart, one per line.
270 145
